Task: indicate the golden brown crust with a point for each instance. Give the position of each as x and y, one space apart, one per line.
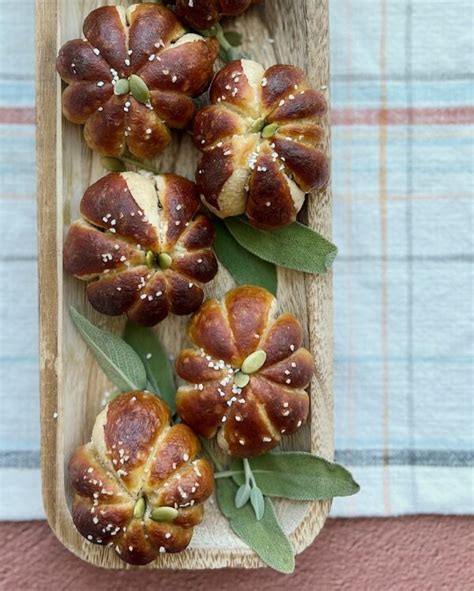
126 216
131 433
136 456
209 330
248 420
178 443
148 41
259 141
202 14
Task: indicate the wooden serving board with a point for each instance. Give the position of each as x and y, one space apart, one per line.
72 385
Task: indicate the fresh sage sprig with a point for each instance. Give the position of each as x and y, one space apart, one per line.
295 246
294 475
249 490
265 535
146 343
245 267
118 360
227 42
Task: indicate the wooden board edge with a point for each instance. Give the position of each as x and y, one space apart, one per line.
46 130
46 166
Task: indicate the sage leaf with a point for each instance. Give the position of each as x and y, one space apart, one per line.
232 54
233 37
258 502
147 345
265 537
242 495
295 246
298 475
118 360
113 164
245 267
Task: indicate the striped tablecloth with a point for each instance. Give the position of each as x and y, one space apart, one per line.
402 96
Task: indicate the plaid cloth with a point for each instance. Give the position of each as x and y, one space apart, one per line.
402 178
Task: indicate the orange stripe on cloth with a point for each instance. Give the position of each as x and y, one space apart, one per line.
417 116
384 116
17 115
461 115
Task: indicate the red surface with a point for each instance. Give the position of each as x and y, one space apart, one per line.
410 553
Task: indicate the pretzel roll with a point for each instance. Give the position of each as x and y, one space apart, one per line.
145 46
202 14
259 141
138 485
246 374
143 246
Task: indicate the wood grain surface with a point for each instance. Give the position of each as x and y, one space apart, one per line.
72 385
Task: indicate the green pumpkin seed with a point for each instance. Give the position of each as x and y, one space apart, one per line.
164 514
139 89
150 258
122 86
258 125
254 361
269 130
241 379
165 261
113 164
139 509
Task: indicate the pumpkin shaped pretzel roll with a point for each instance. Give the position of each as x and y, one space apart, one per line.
260 142
143 246
138 485
132 78
247 373
202 14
